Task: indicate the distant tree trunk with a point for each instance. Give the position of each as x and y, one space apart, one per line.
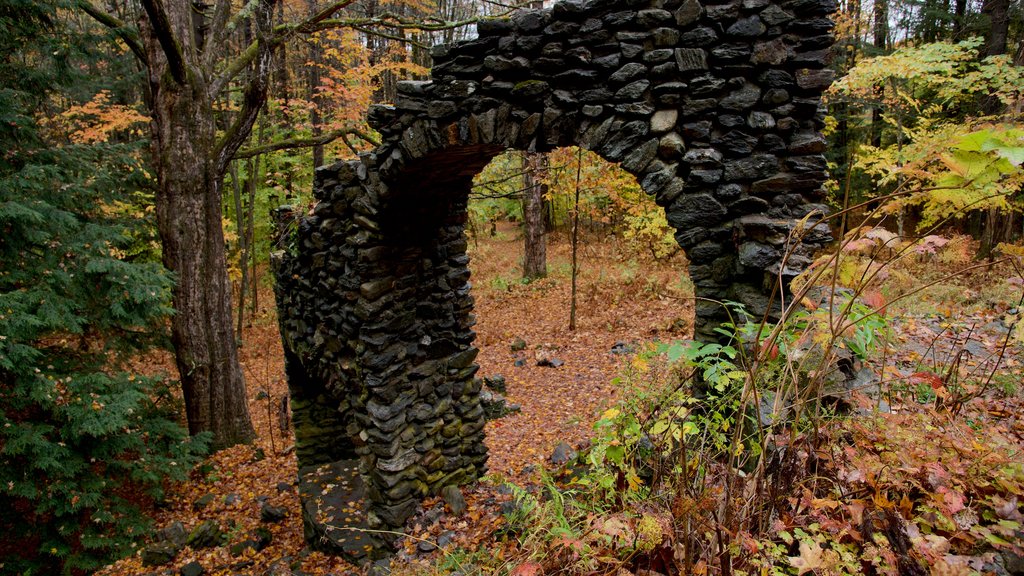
959 14
243 248
929 21
575 238
881 36
534 243
844 142
313 83
998 13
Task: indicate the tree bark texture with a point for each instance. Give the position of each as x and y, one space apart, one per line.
998 13
534 242
190 164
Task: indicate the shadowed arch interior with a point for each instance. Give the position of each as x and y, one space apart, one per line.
714 107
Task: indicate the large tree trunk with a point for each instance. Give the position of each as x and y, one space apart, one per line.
534 244
998 13
189 219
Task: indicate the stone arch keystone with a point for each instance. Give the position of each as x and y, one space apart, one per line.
714 107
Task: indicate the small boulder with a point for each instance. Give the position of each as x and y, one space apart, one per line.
206 535
174 533
159 553
193 568
562 454
544 358
454 498
271 513
496 383
258 540
426 546
623 348
445 538
203 501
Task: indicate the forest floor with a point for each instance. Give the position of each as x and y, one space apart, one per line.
621 299
624 300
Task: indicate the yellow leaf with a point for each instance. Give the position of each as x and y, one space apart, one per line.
809 558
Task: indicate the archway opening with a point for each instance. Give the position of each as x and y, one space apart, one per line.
631 282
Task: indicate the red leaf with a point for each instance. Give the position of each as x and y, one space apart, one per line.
875 300
933 380
527 569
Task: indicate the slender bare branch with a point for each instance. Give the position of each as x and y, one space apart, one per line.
127 34
395 37
393 22
306 142
322 21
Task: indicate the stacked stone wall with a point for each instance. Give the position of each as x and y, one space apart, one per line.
714 107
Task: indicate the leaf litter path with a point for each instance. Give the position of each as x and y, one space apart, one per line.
620 300
560 404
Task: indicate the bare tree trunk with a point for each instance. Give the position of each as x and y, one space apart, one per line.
313 83
535 246
959 13
243 252
998 13
190 163
881 35
575 238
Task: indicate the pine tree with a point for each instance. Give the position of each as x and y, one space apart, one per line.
83 441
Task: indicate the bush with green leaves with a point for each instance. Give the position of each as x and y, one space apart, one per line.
84 442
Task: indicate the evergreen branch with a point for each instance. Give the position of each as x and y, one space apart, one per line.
307 142
128 35
161 26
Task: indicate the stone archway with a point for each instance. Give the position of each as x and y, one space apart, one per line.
713 107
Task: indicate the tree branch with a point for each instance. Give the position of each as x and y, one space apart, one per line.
218 31
395 37
256 88
281 34
165 34
126 34
322 21
394 22
306 142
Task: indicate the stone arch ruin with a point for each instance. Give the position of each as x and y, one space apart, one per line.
714 107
